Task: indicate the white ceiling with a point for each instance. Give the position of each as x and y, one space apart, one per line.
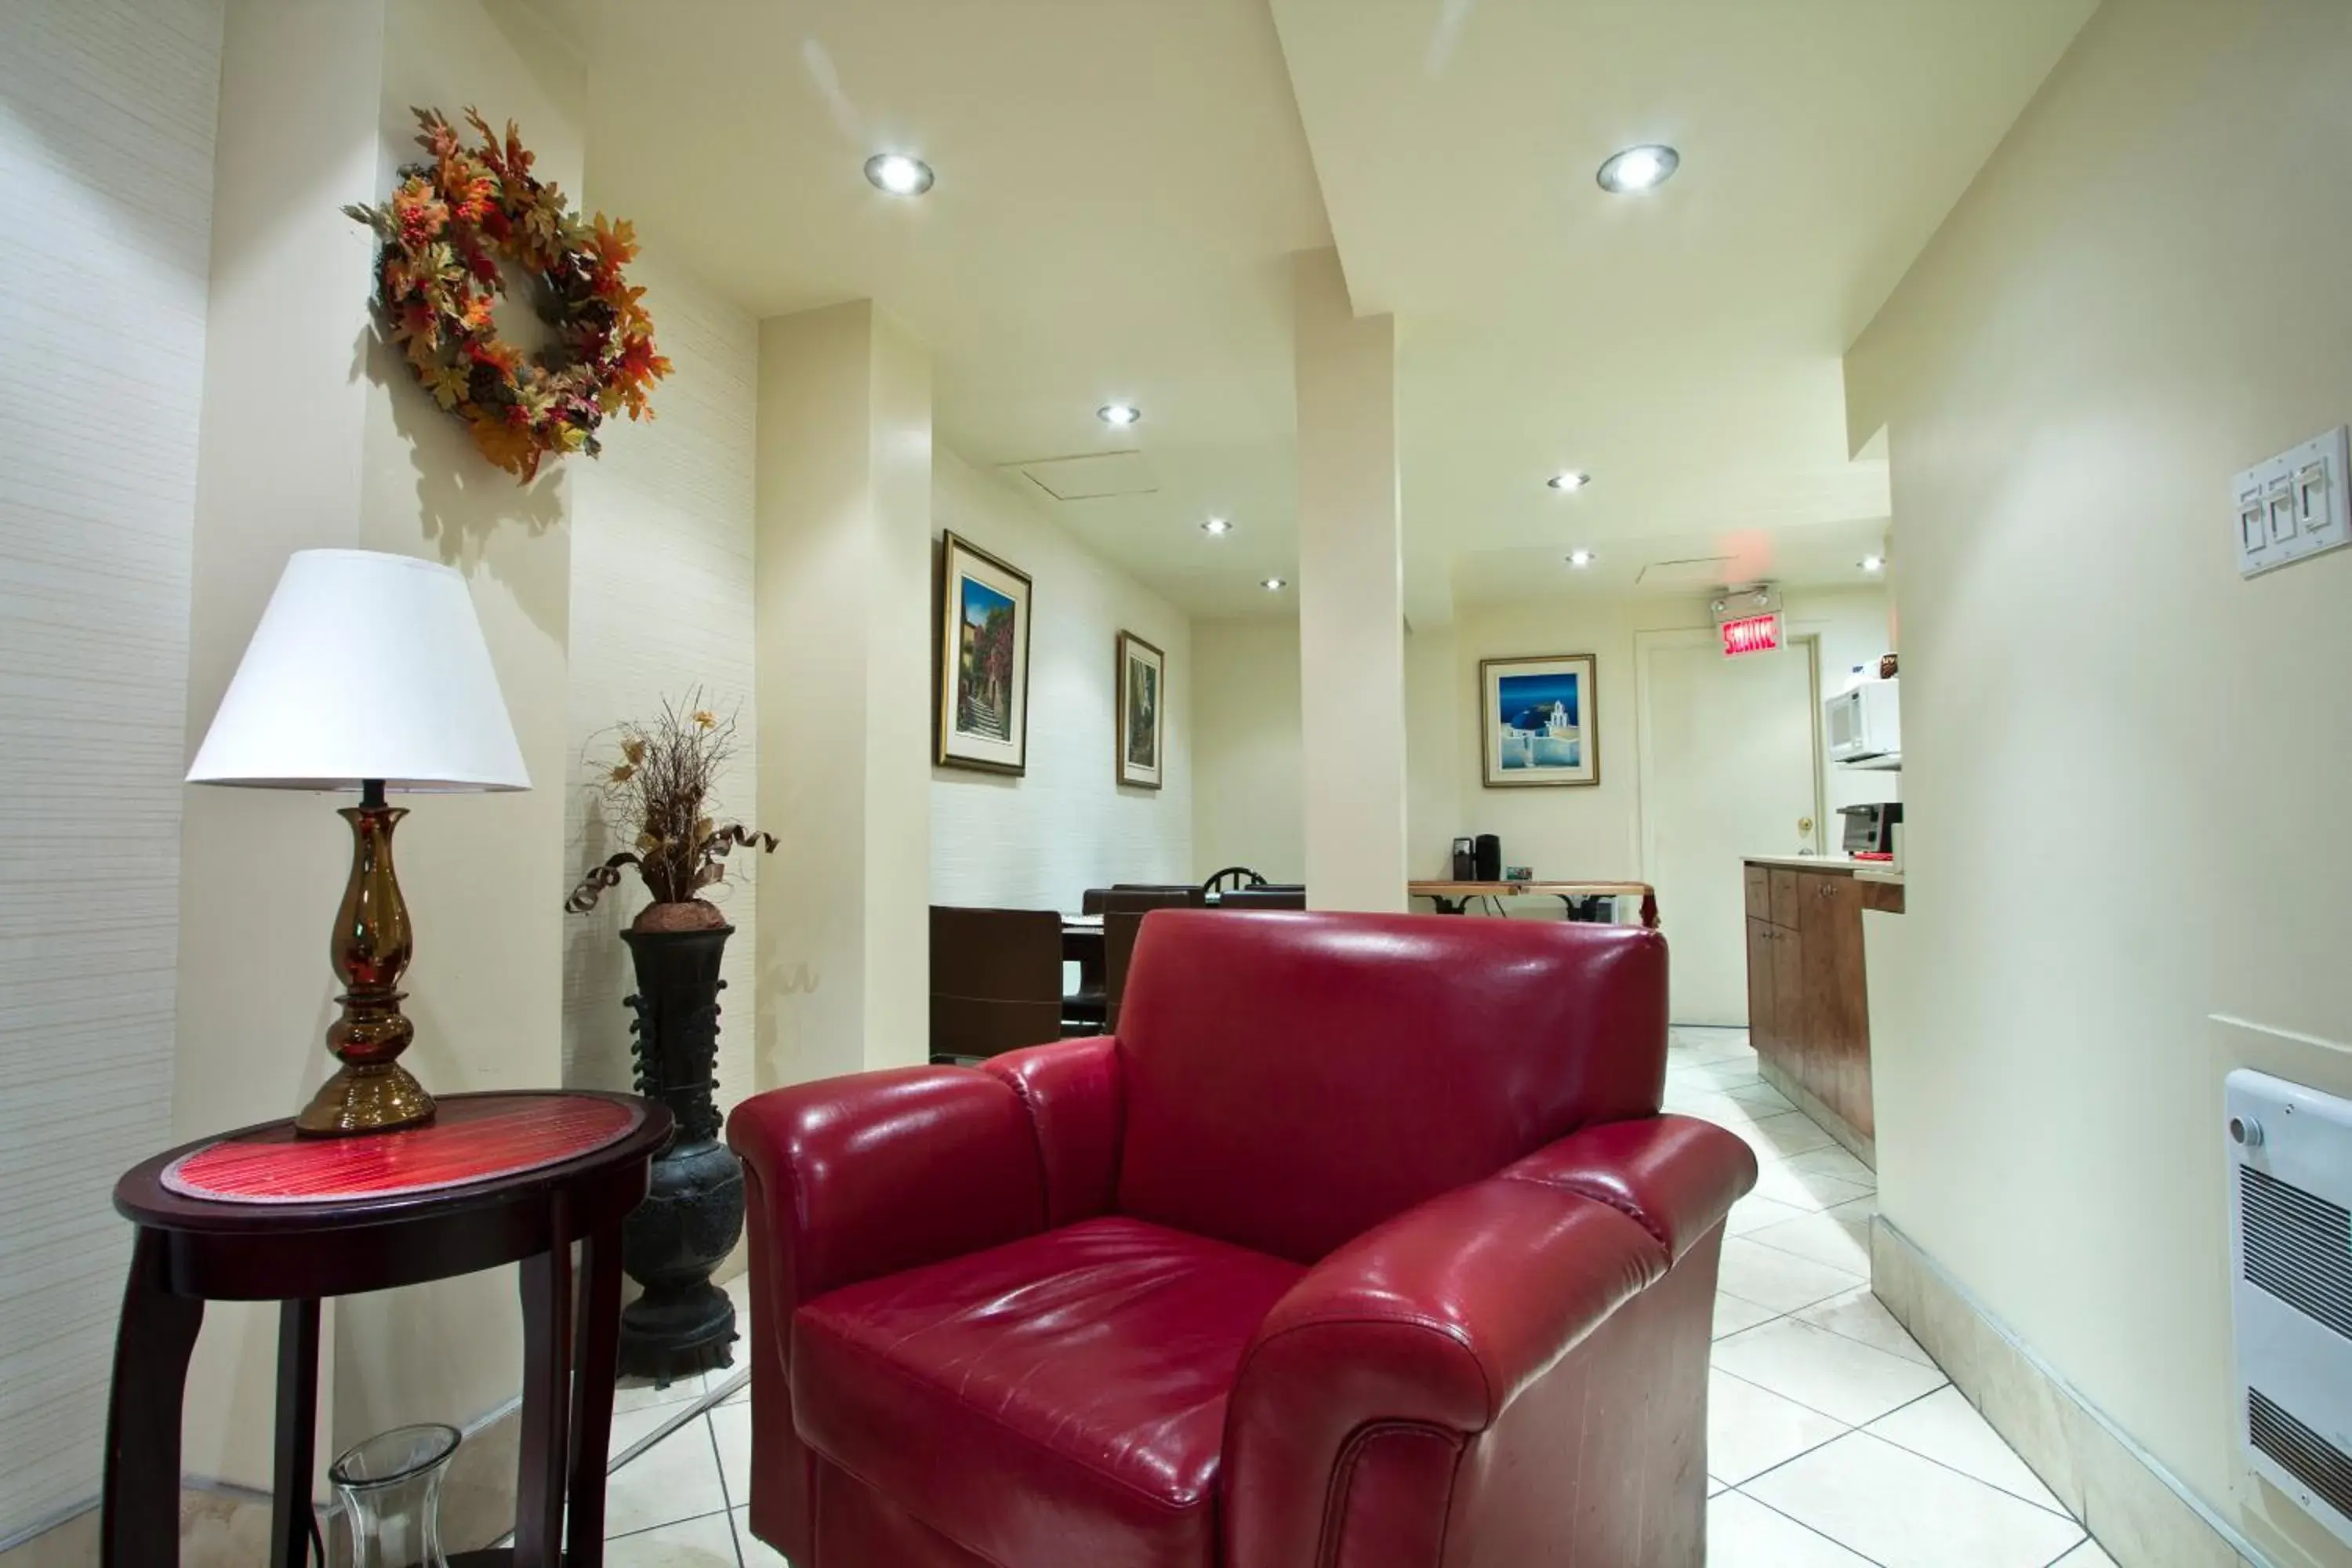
1120 183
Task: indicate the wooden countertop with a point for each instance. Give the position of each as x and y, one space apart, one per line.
1841 865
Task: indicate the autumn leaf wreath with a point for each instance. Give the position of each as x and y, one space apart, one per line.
449 223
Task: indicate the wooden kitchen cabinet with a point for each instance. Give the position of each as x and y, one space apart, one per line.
1808 1002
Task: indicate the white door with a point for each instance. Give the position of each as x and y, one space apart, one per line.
1729 769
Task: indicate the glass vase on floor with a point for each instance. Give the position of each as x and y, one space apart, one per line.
391 1490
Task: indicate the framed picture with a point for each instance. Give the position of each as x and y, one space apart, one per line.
1540 720
1142 701
983 669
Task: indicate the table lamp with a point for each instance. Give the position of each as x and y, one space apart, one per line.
368 672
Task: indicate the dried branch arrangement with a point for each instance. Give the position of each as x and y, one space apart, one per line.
658 786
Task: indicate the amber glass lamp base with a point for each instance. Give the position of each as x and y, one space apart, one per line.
371 946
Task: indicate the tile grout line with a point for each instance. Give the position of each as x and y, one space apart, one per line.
711 1433
1864 1430
1812 1530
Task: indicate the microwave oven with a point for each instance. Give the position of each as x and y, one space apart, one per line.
1864 723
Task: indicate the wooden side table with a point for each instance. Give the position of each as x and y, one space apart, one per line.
258 1215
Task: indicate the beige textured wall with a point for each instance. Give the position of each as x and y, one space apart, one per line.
1041 840
1248 805
661 601
106 149
1245 772
842 592
1350 593
315 435
2123 762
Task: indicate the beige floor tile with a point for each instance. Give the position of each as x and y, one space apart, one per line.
1761 1095
639 1392
1808 1190
1840 1377
1715 1486
1945 1427
1751 1429
1722 1075
1710 1105
1700 1045
1859 1315
1743 1533
1779 1279
1821 1238
2087 1555
1835 1162
756 1554
706 1542
731 1425
1904 1512
1793 1132
1754 1212
1734 1316
676 1479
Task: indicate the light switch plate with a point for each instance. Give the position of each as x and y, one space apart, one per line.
2298 504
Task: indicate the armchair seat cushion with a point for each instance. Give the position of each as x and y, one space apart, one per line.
1057 1399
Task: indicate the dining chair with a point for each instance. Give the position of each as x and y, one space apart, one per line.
1232 878
996 980
1155 896
1120 928
1271 895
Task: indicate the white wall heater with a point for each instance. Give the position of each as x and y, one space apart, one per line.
2291 1288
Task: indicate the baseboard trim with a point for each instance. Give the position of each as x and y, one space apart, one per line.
2141 1514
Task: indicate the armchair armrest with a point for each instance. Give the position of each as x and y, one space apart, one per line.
1399 1349
861 1176
1676 1176
852 1178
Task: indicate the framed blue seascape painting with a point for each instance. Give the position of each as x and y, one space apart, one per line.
1539 720
983 672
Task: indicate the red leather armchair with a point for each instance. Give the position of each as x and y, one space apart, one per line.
1362 1246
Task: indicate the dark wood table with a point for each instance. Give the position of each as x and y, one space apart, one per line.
191 1249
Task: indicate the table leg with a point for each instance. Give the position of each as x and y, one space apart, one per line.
140 1526
592 1395
298 1425
546 1412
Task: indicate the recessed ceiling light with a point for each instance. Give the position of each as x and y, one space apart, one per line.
1273 585
1119 414
897 173
1580 559
1217 525
1872 562
1639 169
1568 482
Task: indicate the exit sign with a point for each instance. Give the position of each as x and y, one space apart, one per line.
1751 634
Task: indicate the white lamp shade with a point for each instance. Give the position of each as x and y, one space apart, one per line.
365 666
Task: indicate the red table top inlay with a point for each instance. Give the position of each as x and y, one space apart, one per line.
474 1139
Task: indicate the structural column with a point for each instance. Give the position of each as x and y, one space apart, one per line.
1351 596
844 610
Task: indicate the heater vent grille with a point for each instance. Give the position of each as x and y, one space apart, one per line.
2311 1458
2298 1247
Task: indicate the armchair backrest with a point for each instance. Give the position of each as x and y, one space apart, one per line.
1291 1080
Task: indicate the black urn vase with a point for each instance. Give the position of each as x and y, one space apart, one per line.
693 1215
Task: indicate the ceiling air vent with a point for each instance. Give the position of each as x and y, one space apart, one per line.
2290 1176
1694 571
1095 477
